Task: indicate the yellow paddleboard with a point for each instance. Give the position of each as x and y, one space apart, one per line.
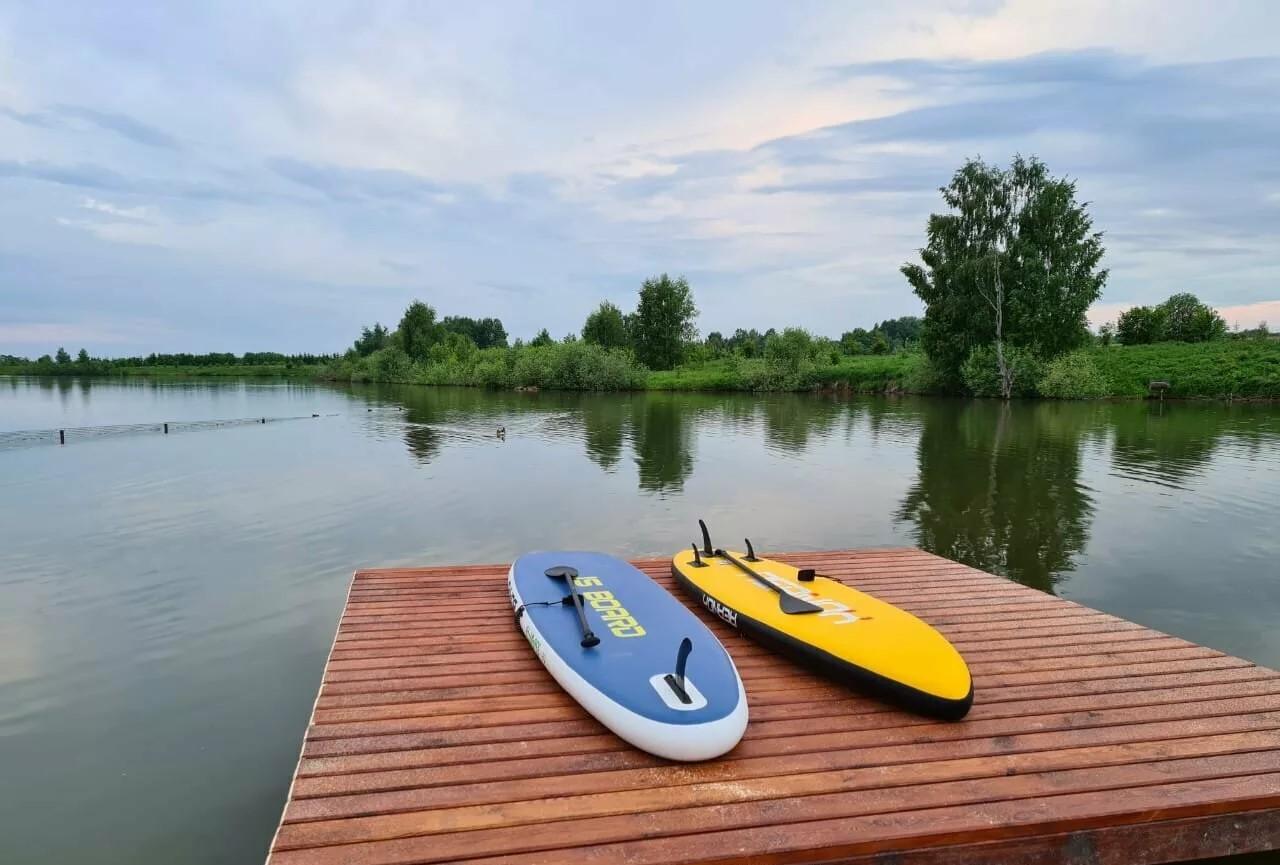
852 637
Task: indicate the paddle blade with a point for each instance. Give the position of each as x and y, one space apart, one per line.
791 605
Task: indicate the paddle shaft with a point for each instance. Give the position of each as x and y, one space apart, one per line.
568 574
785 598
589 638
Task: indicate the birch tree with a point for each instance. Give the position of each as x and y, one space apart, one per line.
1012 263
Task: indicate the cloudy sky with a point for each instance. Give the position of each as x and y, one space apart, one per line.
239 176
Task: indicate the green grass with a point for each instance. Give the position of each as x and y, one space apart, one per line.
885 373
1225 369
861 374
721 374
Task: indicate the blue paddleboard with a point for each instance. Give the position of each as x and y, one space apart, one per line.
635 657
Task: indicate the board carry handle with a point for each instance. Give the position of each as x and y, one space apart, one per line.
676 680
788 603
566 573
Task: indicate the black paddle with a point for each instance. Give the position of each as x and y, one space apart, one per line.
566 573
787 602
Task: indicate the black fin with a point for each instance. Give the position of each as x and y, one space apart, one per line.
706 539
697 558
676 680
682 658
751 552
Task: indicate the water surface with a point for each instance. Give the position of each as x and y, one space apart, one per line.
169 600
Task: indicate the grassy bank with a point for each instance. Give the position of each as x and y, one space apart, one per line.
895 373
1223 369
1227 369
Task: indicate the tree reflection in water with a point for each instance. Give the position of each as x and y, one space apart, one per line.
662 437
999 487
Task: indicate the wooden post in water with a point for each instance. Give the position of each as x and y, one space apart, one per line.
62 436
166 427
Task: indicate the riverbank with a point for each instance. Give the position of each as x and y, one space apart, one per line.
906 372
1224 369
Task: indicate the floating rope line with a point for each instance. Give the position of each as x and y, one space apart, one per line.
67 435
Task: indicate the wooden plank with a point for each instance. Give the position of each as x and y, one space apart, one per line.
437 737
839 825
329 797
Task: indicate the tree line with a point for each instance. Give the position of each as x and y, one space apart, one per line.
61 361
657 331
660 333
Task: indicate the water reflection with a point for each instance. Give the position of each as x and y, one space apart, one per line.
790 420
999 488
1167 445
604 422
155 631
423 442
662 436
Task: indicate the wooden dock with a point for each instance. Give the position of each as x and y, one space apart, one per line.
438 737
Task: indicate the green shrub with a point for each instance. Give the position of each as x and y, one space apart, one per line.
788 361
922 375
576 366
455 360
391 364
981 373
1073 376
494 368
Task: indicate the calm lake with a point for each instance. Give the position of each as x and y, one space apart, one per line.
167 601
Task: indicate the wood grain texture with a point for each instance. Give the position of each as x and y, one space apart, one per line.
438 737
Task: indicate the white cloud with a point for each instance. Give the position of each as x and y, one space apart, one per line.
577 152
140 212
